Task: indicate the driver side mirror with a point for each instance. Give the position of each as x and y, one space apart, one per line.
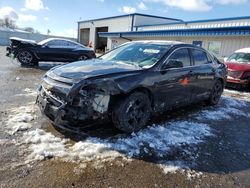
172 64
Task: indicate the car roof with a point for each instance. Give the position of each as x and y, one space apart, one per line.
166 42
158 42
243 50
50 39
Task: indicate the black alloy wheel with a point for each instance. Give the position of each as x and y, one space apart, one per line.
216 93
133 113
25 57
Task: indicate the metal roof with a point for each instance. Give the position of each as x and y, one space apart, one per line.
243 50
221 31
127 15
200 21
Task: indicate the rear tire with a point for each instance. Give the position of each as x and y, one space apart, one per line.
132 113
215 93
25 58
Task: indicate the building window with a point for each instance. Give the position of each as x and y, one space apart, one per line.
214 47
197 43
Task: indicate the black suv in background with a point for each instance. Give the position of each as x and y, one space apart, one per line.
130 83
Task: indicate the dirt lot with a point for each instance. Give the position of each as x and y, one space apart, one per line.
196 146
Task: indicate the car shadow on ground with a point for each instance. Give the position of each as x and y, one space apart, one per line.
45 66
106 129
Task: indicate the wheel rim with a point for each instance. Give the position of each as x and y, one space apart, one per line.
82 57
136 112
25 57
217 91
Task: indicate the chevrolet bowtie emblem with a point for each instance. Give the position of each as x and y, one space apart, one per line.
48 87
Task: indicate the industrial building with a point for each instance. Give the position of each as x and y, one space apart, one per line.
220 36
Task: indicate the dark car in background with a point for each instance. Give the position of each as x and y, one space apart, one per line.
238 65
130 83
29 52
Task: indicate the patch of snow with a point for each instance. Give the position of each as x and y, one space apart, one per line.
172 167
21 127
28 92
3 141
232 102
226 110
238 94
160 138
23 117
157 139
44 145
191 174
20 119
91 149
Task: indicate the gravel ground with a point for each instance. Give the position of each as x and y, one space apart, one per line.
196 146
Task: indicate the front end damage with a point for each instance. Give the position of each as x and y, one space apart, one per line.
16 44
69 104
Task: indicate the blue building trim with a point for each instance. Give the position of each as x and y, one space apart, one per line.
225 31
128 15
200 21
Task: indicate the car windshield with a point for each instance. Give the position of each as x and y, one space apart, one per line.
140 54
240 58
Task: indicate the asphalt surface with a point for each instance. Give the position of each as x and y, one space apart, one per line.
222 160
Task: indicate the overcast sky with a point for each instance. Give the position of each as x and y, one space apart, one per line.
60 16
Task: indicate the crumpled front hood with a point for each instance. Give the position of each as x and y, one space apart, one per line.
91 68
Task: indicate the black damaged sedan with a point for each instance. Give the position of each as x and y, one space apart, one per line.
130 83
29 52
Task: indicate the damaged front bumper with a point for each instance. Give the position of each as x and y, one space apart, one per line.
73 110
9 52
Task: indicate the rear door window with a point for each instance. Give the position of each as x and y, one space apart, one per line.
200 57
58 43
181 55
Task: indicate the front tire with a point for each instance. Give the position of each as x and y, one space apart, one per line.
25 57
215 93
132 113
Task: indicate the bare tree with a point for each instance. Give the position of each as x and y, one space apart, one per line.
29 29
6 22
